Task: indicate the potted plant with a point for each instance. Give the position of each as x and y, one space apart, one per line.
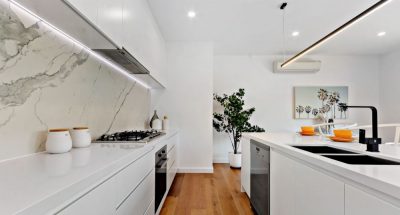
234 120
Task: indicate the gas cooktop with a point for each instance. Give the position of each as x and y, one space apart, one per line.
130 136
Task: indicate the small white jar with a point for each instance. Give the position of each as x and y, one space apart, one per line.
165 123
156 124
80 137
58 141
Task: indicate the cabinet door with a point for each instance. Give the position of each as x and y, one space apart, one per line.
110 19
171 167
100 201
142 37
297 189
128 179
245 172
359 202
86 8
140 199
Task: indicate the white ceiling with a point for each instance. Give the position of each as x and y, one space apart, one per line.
255 26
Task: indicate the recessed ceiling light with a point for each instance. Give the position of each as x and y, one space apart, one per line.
191 14
381 34
295 33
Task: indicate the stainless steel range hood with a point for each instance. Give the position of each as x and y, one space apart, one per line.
123 58
69 20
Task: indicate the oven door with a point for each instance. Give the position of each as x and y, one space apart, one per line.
161 181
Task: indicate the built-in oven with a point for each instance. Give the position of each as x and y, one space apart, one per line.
161 176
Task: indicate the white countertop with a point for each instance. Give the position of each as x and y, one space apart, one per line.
381 178
44 180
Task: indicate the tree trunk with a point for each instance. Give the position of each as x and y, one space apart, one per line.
334 111
235 149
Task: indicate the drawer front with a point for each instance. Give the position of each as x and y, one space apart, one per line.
89 203
129 178
171 172
171 157
150 209
172 142
140 199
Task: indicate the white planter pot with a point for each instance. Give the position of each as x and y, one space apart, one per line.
235 160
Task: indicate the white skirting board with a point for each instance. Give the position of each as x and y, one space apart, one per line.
195 170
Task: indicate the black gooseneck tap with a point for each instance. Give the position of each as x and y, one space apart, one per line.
372 143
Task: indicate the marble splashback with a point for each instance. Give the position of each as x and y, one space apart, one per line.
47 82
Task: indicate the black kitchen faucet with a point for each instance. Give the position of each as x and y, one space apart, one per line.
372 143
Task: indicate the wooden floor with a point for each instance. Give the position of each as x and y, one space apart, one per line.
217 193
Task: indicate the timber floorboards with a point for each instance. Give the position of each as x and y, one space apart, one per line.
216 193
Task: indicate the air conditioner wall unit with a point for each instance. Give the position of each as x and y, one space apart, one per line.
311 66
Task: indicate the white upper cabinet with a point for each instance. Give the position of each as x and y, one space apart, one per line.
110 19
142 38
129 24
87 8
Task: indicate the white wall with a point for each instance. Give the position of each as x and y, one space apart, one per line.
272 94
390 91
188 102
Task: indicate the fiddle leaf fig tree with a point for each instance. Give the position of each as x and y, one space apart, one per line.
234 120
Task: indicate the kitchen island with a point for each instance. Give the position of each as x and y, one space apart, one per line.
306 183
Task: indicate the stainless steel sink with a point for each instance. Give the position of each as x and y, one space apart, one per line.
323 150
361 160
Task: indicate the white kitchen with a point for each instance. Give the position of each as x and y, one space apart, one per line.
136 107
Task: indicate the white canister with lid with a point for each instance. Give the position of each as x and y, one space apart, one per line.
165 123
58 141
80 137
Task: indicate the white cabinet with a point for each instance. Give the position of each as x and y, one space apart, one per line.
245 171
86 8
142 38
130 191
99 201
140 199
150 209
297 189
127 180
171 167
359 202
172 159
110 19
106 15
129 24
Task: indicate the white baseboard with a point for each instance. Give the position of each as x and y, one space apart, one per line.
195 170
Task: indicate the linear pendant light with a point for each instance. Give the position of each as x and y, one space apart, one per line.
338 30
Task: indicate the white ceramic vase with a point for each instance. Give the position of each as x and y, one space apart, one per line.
156 124
80 137
58 141
235 160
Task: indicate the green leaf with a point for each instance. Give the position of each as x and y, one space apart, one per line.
234 119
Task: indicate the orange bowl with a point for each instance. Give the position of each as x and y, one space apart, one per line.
307 129
343 133
341 139
307 133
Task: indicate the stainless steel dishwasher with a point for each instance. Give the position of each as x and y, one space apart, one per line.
259 177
